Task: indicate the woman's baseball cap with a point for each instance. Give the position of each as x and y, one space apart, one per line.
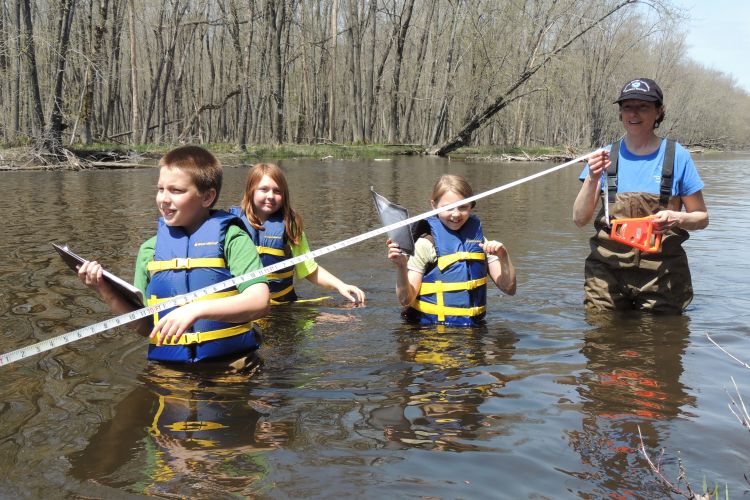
643 89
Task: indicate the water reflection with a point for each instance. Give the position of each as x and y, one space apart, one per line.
356 402
448 374
183 433
634 365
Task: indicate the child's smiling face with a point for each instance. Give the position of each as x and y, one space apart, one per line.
179 201
452 219
267 198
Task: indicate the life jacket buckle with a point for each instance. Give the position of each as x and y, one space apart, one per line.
637 233
181 263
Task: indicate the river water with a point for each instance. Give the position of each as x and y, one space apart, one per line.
542 402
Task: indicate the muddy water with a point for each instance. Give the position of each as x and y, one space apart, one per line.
541 402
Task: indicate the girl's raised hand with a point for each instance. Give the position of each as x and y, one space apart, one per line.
495 248
395 254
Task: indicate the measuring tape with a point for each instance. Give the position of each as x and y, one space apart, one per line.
124 319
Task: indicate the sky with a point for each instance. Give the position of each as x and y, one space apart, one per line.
718 35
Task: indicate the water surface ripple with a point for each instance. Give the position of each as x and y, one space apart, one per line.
541 402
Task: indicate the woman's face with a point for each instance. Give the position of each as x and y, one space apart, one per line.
638 116
455 218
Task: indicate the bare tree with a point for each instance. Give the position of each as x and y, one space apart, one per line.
93 71
445 73
400 29
135 111
276 22
536 60
29 51
418 71
354 36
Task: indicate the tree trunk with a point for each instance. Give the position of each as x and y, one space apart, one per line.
332 75
177 16
354 34
276 21
88 101
17 83
242 59
420 65
156 78
400 30
135 116
369 94
31 66
260 85
442 116
379 82
4 38
113 83
56 126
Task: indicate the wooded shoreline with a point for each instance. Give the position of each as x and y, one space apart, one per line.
438 73
91 158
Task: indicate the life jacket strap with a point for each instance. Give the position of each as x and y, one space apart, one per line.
447 260
440 286
156 266
154 300
200 337
441 311
280 276
283 292
278 252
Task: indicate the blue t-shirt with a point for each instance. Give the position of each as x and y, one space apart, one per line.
642 174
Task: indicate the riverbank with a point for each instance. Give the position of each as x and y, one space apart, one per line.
115 156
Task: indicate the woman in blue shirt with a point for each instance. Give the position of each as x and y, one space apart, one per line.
642 174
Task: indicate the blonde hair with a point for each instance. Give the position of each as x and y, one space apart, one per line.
454 183
292 220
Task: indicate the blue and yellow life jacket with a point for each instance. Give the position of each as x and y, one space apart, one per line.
184 263
454 292
271 244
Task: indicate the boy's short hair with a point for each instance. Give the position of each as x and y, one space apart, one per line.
200 164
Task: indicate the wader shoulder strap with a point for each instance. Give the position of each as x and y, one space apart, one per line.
667 174
614 155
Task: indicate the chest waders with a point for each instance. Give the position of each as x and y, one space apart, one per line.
618 276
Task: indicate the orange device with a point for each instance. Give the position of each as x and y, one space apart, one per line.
638 233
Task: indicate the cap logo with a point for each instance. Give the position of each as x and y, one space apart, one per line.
636 86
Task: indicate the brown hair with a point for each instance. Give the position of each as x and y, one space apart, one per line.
292 220
455 183
199 164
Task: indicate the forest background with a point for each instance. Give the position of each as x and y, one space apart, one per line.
437 74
